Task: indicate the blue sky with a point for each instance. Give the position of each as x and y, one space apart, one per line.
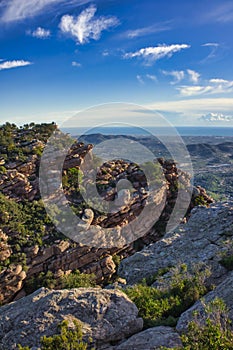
60 56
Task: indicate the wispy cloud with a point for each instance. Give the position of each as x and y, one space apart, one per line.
214 86
180 75
105 53
14 64
40 33
152 77
156 28
194 90
211 44
18 10
177 75
222 13
213 47
140 79
153 54
193 76
216 117
76 64
85 27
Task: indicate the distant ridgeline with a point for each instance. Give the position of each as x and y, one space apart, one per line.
32 252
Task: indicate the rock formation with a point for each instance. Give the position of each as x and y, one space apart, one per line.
204 239
106 316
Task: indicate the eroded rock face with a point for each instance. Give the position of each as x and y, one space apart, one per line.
222 291
202 240
11 282
152 339
105 316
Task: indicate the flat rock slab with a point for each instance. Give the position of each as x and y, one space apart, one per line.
202 240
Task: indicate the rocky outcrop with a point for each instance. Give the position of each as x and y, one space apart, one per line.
106 316
204 239
152 339
5 249
19 181
65 257
222 291
11 282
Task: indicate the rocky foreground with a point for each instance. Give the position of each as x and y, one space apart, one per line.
107 315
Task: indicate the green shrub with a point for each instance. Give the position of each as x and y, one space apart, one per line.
200 200
227 262
163 306
68 339
46 280
77 279
215 334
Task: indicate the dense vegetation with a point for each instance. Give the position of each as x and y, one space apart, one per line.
14 141
26 224
163 305
73 280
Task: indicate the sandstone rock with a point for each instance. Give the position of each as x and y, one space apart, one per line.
152 339
87 219
202 240
222 291
11 281
123 198
105 315
5 250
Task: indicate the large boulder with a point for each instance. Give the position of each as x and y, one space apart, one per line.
152 339
105 315
204 239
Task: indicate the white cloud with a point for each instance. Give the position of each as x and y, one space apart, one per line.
214 86
40 33
18 10
197 106
211 44
194 90
105 53
219 81
76 64
152 77
156 28
84 27
192 109
216 117
153 54
14 64
140 79
177 75
193 76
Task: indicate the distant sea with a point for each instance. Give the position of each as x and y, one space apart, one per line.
182 130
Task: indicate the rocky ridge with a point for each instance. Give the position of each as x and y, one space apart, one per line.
20 182
108 316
